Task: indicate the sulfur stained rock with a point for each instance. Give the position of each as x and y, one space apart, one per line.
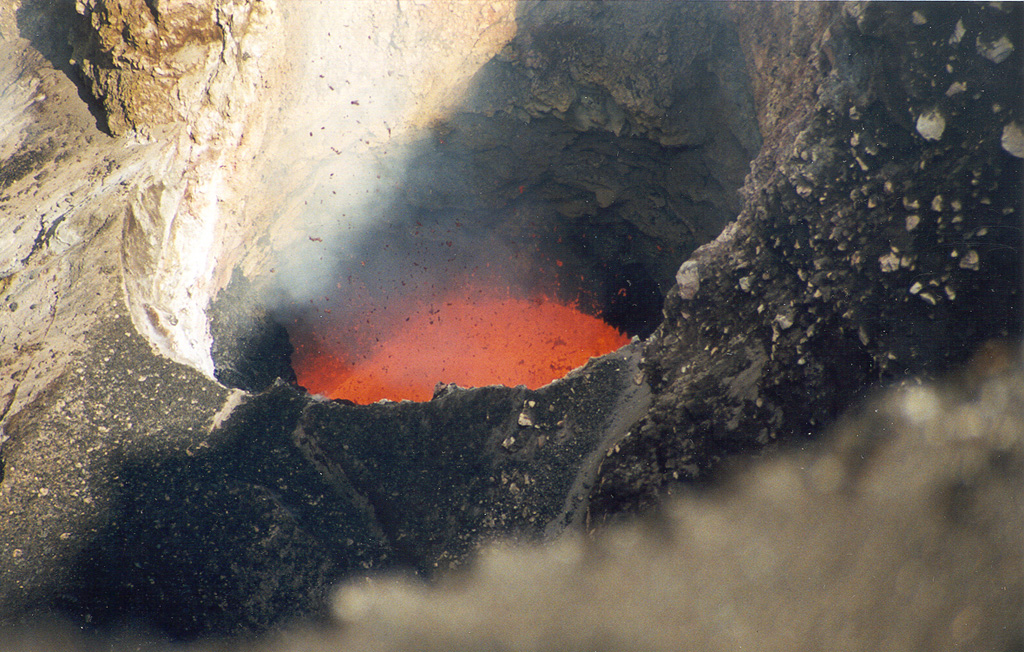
142 59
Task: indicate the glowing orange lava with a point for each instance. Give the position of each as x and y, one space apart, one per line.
489 339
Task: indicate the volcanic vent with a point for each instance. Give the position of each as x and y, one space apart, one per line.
538 224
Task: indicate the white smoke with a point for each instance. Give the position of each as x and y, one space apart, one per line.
363 80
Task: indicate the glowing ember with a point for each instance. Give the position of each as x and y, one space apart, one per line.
486 340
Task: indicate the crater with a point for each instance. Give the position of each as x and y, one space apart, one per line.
588 158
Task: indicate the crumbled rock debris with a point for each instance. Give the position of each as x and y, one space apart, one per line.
847 206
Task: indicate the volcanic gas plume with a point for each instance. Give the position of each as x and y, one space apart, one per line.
472 334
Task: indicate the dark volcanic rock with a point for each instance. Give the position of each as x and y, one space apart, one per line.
236 514
231 535
869 246
250 349
901 529
473 464
74 456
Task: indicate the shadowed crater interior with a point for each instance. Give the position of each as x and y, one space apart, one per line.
583 166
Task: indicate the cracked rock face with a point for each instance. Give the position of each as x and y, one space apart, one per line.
140 58
876 240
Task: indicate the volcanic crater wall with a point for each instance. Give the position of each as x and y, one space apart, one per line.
872 244
877 235
569 169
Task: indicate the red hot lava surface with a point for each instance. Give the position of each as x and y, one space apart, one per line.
472 338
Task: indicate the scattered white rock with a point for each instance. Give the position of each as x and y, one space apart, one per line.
958 33
970 260
890 262
955 88
996 51
912 222
931 124
688 279
918 18
1013 139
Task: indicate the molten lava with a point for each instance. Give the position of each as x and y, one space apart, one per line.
474 338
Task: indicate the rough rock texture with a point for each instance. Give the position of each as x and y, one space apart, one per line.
902 530
879 235
116 406
618 169
237 513
569 61
865 249
145 60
